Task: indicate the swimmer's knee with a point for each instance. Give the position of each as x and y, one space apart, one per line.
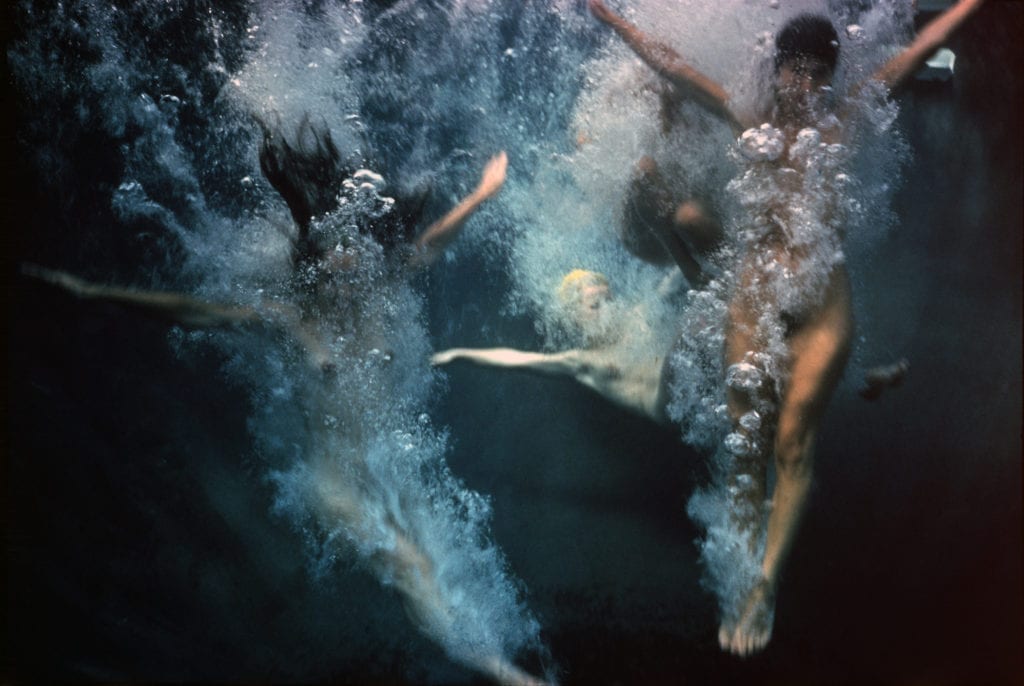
690 213
697 225
793 455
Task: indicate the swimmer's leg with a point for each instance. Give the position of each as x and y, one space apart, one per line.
411 571
819 351
748 390
414 576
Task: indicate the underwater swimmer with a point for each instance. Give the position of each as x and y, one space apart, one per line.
622 357
307 172
817 339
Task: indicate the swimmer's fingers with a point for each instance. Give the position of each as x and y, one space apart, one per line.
68 282
443 357
601 11
494 173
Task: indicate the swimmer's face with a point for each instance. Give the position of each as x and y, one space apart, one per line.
594 313
800 84
593 297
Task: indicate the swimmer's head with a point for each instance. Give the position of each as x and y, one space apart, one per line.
806 54
585 299
307 171
809 39
578 281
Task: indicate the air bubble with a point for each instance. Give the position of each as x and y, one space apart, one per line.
762 144
744 376
744 482
737 444
751 421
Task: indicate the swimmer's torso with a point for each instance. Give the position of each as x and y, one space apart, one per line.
629 371
794 241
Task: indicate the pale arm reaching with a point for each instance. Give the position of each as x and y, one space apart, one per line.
670 65
175 308
564 363
189 312
439 235
896 71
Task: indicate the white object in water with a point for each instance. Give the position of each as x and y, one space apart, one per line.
939 66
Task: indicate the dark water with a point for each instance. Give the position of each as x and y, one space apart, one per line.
139 539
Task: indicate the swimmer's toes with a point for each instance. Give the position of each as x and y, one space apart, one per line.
738 645
724 637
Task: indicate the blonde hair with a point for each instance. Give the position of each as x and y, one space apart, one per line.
572 282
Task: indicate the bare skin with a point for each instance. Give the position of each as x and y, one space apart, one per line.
621 362
818 342
190 312
340 502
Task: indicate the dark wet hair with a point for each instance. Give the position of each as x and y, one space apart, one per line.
807 35
308 173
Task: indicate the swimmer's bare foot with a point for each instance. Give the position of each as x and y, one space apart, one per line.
877 379
754 629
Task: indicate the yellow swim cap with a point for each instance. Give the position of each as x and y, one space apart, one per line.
572 281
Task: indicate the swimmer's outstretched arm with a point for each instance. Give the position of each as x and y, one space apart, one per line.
189 312
896 71
669 64
176 308
439 235
565 363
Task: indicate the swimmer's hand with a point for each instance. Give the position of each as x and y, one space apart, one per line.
493 176
601 12
441 233
72 284
444 357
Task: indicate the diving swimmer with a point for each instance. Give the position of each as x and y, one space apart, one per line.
314 309
816 324
623 352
